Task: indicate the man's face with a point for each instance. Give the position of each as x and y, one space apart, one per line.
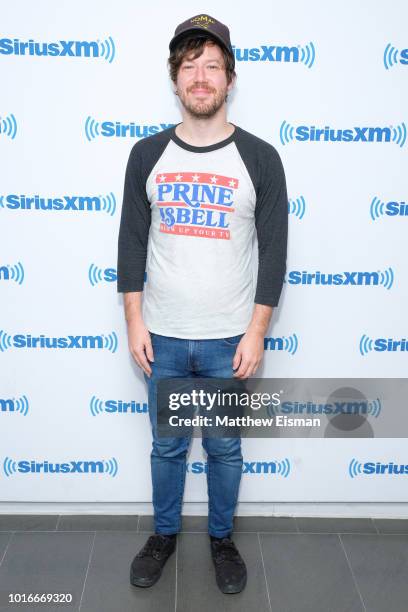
202 82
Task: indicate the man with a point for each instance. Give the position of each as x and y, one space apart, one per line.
193 196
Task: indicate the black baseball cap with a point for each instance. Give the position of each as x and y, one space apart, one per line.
204 24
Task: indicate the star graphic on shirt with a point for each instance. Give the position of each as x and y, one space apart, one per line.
162 178
232 183
196 177
179 177
214 179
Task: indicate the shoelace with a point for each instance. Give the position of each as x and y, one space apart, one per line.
153 546
226 551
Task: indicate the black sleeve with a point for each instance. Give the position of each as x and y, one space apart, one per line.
136 213
266 171
271 222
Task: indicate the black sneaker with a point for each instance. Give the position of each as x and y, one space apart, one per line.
147 566
230 568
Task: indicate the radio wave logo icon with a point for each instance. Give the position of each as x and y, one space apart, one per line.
376 208
290 343
109 203
387 278
19 405
95 275
8 126
107 49
399 134
355 468
283 467
14 273
9 466
286 132
96 406
5 341
308 54
374 407
366 344
91 128
110 342
390 57
297 207
111 467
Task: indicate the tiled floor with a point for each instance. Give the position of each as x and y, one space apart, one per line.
294 564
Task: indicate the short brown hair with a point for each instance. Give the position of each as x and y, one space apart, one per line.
194 44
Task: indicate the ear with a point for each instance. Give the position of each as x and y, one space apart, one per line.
232 84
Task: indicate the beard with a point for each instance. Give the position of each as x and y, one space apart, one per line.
201 109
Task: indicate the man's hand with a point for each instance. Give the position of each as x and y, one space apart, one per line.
249 354
140 344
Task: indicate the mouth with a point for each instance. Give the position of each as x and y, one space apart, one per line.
200 90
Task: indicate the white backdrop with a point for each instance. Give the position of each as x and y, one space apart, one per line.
346 70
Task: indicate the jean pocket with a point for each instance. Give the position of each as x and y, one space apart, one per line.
232 340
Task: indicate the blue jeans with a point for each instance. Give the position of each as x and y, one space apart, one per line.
178 358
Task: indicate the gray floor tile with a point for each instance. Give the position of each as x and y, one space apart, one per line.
28 522
265 523
309 524
45 563
391 525
380 567
308 573
96 522
107 587
189 523
196 586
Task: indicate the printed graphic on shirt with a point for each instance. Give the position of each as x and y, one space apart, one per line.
196 204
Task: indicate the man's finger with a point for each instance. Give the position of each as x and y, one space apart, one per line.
237 359
242 369
141 361
149 350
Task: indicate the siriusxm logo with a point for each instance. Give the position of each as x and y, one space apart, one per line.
11 404
384 279
393 56
306 133
356 468
390 209
282 343
8 126
381 345
277 468
297 207
62 48
110 129
98 275
98 406
109 342
31 466
13 272
76 203
272 53
366 407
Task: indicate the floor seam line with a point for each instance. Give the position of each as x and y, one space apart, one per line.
352 573
264 571
87 570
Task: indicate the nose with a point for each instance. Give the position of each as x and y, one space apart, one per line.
199 73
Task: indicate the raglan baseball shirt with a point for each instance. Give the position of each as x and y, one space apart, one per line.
188 218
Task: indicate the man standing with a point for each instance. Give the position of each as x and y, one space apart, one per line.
193 196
